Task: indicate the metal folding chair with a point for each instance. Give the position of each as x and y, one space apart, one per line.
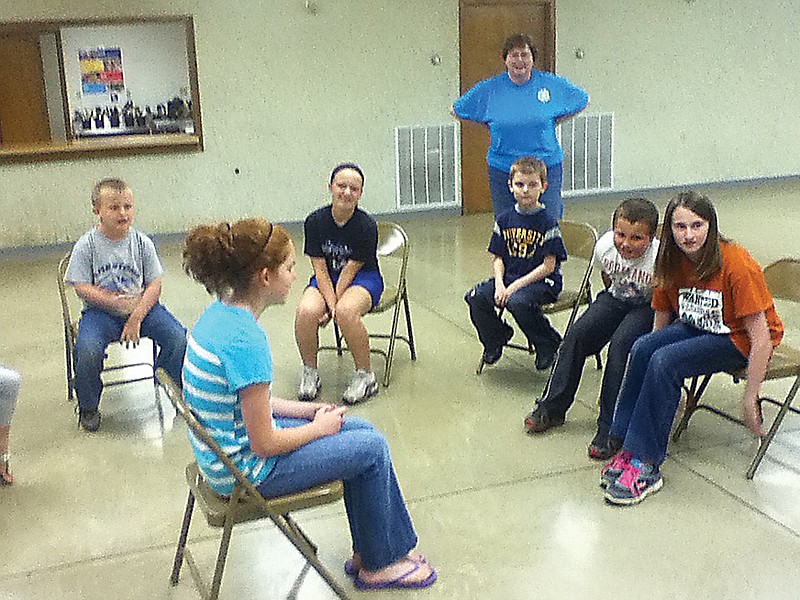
783 280
393 251
245 504
70 315
579 239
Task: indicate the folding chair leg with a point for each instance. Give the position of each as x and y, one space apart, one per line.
409 329
387 371
222 555
481 364
693 394
338 335
766 440
187 521
292 524
159 408
299 543
298 583
70 373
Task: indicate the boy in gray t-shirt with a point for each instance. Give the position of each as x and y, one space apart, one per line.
117 274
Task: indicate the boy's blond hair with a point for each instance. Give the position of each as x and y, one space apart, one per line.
528 165
117 185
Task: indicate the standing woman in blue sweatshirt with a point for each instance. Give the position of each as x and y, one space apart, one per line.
521 108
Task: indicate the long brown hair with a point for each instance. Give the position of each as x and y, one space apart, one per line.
224 257
669 254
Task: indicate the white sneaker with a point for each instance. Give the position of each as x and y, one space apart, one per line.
309 384
362 385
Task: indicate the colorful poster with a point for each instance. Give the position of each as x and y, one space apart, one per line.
101 71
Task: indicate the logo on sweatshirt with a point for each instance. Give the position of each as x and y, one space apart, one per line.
543 95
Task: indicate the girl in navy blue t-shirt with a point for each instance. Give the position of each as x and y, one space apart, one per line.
342 242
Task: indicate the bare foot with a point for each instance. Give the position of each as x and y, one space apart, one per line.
412 568
354 565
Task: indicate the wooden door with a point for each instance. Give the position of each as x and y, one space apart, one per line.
484 26
23 112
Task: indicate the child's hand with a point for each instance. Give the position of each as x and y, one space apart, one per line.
329 419
500 295
125 304
313 407
326 318
753 417
131 331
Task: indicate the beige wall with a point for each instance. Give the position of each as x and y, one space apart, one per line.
702 91
285 95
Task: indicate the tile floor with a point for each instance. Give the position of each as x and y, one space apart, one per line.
501 514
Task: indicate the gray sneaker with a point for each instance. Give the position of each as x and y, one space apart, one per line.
362 385
637 481
309 384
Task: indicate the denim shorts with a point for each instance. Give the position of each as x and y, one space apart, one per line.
369 280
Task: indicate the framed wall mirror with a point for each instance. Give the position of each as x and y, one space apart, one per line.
108 87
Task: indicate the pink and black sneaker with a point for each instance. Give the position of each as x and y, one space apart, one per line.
637 481
614 469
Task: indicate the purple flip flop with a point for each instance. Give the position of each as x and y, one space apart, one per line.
351 571
398 583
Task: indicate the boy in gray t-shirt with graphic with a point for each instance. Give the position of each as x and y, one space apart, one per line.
117 274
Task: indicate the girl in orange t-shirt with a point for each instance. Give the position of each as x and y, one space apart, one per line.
713 313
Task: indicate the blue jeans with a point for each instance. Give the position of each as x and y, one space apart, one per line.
659 363
503 198
524 305
380 525
98 329
606 320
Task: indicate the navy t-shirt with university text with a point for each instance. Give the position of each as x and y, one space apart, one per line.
523 239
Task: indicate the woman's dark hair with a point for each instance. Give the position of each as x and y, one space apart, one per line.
225 257
342 167
518 40
637 210
669 254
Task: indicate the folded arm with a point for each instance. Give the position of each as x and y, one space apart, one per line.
266 440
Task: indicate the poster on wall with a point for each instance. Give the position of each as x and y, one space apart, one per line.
101 70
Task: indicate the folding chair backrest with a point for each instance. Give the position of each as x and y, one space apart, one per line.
176 397
67 312
391 239
393 258
272 506
783 279
579 239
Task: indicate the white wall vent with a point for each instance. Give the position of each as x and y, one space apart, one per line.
588 142
427 175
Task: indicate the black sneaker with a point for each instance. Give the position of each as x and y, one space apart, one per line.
492 355
603 446
545 360
540 420
89 420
